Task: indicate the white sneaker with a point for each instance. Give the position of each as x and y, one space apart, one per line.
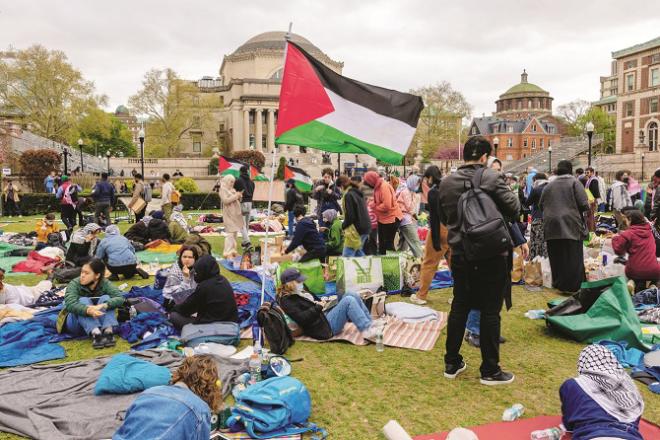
370 333
415 300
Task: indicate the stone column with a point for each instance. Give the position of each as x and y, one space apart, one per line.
271 129
246 129
258 123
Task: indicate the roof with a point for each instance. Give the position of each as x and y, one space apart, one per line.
636 48
121 110
523 87
608 100
491 124
274 40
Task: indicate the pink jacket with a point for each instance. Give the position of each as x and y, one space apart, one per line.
384 202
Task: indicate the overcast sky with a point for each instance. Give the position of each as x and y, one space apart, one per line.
480 47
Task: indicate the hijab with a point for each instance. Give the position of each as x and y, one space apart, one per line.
329 215
412 182
206 268
79 236
603 378
112 230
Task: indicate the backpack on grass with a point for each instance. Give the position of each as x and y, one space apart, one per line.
485 233
271 319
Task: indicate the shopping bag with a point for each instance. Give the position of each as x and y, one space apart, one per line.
517 269
393 270
313 270
533 273
412 270
355 274
546 270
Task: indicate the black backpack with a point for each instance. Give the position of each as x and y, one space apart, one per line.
271 319
484 232
308 315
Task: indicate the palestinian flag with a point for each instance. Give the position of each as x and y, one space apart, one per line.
256 175
321 109
302 180
229 166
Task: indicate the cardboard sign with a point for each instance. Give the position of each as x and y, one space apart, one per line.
261 191
6 171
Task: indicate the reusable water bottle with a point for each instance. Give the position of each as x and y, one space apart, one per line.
513 413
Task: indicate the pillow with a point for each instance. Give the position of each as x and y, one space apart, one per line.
125 374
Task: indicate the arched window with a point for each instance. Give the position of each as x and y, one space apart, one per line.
653 136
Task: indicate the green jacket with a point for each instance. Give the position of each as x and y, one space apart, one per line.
74 291
335 241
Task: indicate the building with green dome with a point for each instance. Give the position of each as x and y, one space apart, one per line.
524 100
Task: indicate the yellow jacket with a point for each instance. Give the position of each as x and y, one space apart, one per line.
44 229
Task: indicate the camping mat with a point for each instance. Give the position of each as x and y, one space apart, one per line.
522 428
151 257
418 336
6 263
165 248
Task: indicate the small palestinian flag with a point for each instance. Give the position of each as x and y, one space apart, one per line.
302 180
321 109
256 175
229 166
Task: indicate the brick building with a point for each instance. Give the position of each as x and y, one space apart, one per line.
523 124
130 121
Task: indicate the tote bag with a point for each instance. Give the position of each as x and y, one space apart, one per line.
355 274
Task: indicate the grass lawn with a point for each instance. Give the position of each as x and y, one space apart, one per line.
356 390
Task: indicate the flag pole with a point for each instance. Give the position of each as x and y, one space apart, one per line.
266 254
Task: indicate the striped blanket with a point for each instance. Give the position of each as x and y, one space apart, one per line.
418 336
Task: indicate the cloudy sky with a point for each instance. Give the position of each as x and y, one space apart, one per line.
480 47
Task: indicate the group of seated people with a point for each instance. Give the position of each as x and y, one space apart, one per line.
155 227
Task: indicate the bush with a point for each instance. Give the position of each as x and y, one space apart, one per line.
213 166
251 157
37 164
199 200
186 185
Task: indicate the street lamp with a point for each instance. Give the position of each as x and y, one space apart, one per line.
643 155
496 143
590 132
82 165
549 159
141 137
66 162
108 154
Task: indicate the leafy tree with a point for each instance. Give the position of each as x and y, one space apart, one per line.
441 118
251 157
186 184
604 124
103 132
279 175
213 166
37 164
46 91
571 113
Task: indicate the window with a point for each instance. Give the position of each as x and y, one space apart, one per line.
509 142
519 104
534 128
542 141
653 105
529 103
525 142
655 58
630 64
630 82
533 144
474 130
197 144
251 119
509 129
655 77
629 110
653 136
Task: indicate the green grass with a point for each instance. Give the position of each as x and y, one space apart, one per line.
356 390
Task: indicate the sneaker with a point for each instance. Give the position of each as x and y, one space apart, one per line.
109 340
113 277
416 300
369 333
500 378
98 341
451 371
143 274
502 339
472 339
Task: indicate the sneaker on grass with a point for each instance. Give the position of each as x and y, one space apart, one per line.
500 378
417 300
451 371
98 340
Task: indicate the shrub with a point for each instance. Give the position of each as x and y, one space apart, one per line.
280 169
252 157
37 164
199 200
213 166
186 185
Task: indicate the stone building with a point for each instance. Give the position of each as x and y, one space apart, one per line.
522 124
609 89
130 121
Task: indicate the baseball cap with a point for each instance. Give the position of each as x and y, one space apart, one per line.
292 274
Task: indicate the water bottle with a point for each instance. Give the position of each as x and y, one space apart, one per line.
122 286
548 434
380 346
255 367
535 314
513 413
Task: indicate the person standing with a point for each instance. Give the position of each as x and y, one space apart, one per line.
49 182
138 193
245 186
564 201
537 246
408 201
231 214
593 186
481 284
67 194
166 196
12 199
293 198
103 194
655 198
356 224
387 211
326 194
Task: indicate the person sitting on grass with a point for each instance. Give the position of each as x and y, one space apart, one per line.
21 295
213 298
307 236
181 277
83 244
185 406
139 232
157 227
44 228
89 305
602 402
334 239
178 225
119 254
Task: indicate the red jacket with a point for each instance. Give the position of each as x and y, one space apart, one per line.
639 243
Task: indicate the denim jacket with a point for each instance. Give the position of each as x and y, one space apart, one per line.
117 250
166 412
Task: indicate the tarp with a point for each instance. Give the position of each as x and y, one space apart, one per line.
612 316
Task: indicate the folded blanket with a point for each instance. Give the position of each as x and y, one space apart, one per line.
410 313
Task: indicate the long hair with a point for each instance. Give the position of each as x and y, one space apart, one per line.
285 289
200 374
185 247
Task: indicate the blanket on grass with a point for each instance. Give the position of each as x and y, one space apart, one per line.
30 341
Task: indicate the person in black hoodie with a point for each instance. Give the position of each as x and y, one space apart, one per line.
308 236
246 186
327 194
293 198
213 298
158 229
356 222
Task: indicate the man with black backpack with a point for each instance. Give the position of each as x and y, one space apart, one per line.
475 205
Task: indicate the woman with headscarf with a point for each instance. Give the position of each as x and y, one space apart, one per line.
388 213
139 232
212 300
231 214
178 225
334 239
603 401
119 255
83 244
408 200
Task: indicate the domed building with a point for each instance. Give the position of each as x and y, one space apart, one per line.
524 100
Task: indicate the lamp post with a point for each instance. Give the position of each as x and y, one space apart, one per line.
549 159
590 132
141 137
108 154
496 143
82 165
338 165
66 162
643 166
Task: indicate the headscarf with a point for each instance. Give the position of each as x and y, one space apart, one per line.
158 215
112 230
146 219
178 208
177 216
412 182
227 182
603 378
329 215
206 268
78 237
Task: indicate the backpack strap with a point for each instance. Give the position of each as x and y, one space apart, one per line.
476 178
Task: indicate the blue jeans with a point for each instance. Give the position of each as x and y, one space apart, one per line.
348 252
83 325
473 322
350 308
292 220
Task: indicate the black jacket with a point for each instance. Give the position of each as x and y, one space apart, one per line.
453 186
356 211
534 199
158 230
213 298
138 232
308 236
593 187
326 200
434 208
243 183
293 198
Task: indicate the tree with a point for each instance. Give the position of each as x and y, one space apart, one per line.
250 157
604 124
279 175
571 113
441 119
171 106
37 164
103 132
46 91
